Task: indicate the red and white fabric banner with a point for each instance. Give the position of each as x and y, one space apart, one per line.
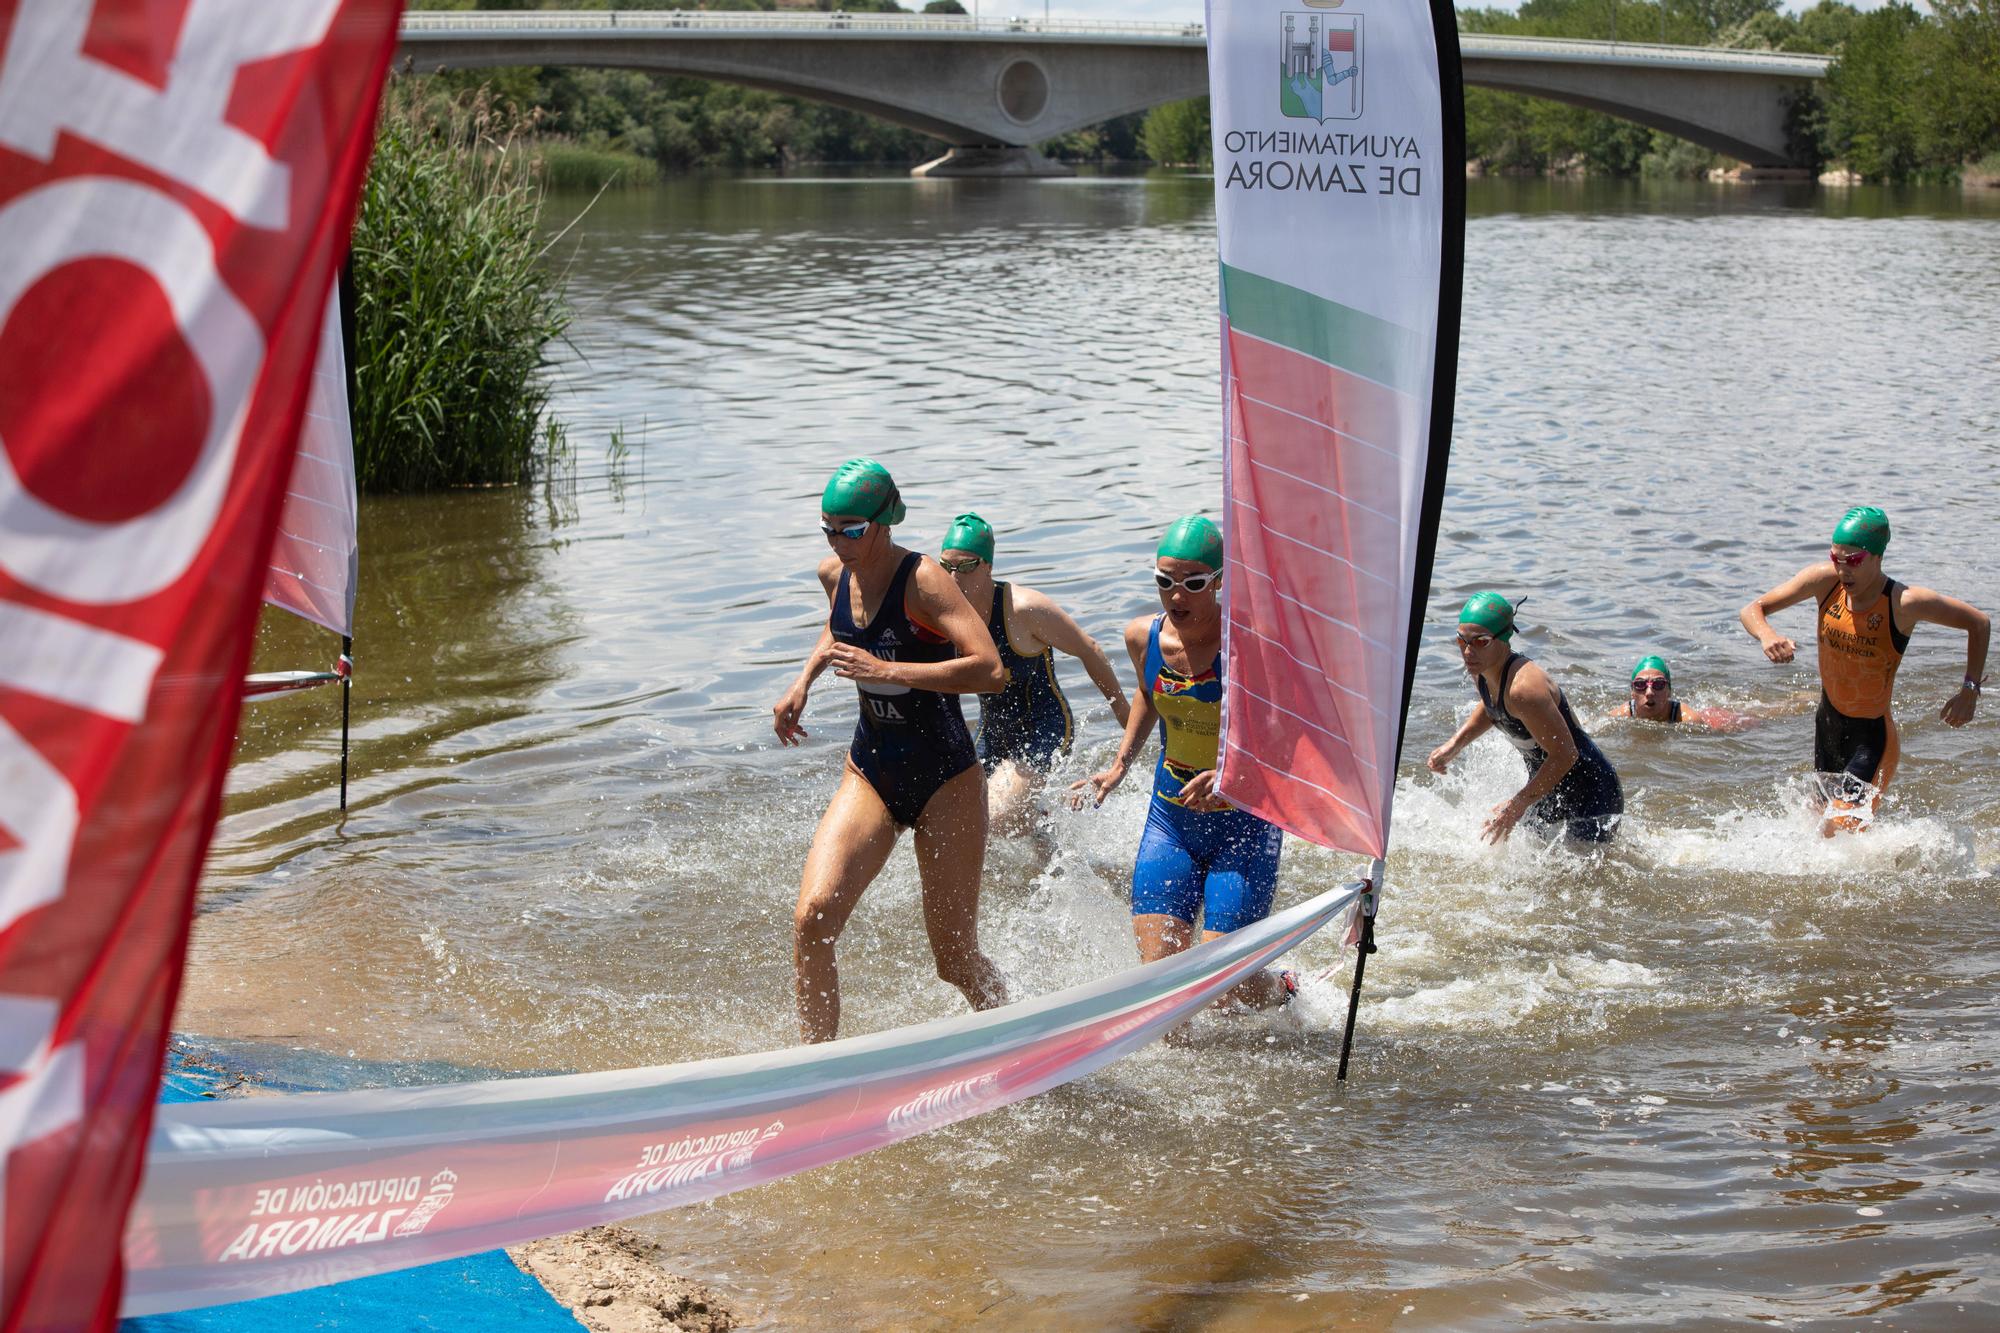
258 1195
1339 186
177 179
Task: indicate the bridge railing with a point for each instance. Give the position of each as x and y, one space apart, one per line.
1508 46
547 22
613 24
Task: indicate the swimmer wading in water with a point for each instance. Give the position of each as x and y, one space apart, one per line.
1570 783
1865 622
1025 727
899 628
1200 857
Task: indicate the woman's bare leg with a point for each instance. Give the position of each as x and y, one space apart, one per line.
951 853
1010 799
1261 990
854 838
1161 936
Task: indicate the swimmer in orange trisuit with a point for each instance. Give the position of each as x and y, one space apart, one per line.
1865 622
1653 700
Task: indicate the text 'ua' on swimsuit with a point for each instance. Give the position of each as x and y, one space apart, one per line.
1217 865
909 742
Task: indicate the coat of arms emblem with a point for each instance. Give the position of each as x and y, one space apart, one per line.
1320 66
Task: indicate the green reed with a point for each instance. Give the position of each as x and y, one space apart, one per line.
567 165
455 306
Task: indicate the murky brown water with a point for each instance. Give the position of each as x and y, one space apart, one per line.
1721 1072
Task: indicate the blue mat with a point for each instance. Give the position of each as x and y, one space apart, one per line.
483 1291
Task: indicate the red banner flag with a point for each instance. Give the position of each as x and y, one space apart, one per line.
177 179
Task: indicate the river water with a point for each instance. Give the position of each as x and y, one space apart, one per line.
1722 1071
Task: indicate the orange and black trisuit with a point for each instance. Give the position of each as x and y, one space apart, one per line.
1854 737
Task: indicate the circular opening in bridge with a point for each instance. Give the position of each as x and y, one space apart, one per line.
1024 91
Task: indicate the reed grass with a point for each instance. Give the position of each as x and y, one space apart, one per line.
568 165
455 308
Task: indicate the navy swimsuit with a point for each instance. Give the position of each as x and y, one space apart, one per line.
909 742
1028 721
1588 801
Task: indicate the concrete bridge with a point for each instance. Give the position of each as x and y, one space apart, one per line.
992 88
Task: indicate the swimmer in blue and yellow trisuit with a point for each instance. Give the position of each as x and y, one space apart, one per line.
1571 785
904 634
1026 726
1200 857
1865 622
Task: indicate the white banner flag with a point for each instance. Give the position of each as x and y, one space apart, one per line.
1339 186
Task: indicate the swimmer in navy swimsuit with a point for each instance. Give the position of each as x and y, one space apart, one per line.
1200 856
1027 726
1570 782
902 632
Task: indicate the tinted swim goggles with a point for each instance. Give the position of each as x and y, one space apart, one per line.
960 566
853 532
1851 559
1650 684
1193 582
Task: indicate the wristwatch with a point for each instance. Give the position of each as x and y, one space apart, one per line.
1974 685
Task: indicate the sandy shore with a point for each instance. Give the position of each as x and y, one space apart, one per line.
611 1279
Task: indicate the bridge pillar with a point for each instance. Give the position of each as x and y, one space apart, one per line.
999 159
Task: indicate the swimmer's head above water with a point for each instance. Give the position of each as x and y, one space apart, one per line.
862 488
859 503
1652 689
1859 540
1194 540
970 539
1485 631
1187 567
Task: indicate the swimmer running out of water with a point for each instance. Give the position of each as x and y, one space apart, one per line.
1865 622
1024 727
903 633
1570 782
1200 857
1653 700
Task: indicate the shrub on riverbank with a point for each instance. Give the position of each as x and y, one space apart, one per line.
454 308
1915 96
566 165
1177 134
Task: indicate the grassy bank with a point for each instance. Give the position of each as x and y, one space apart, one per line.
454 307
567 165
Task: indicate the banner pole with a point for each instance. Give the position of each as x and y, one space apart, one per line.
346 692
1371 898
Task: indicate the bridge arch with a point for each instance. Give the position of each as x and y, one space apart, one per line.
993 88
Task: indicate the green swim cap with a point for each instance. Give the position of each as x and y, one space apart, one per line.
1654 663
862 488
1864 526
970 532
1491 612
1192 538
